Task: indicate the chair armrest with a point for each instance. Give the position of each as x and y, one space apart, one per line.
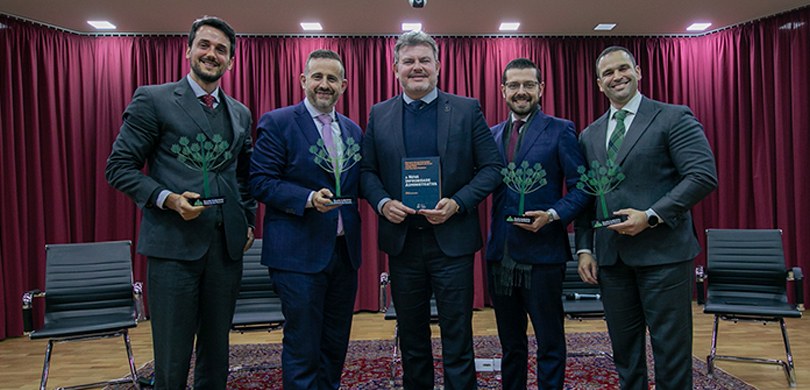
384 282
27 306
140 311
795 275
700 285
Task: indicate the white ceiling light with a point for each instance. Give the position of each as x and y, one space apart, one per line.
605 26
101 25
311 26
407 26
509 26
698 27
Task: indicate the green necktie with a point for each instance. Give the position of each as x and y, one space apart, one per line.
617 136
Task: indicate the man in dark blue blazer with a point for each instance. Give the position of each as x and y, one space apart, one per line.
526 261
311 245
644 264
430 252
194 252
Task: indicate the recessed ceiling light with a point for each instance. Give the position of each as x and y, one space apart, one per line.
311 26
101 24
411 26
605 26
698 26
509 26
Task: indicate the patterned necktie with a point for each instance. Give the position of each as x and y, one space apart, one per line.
208 100
329 142
617 136
513 140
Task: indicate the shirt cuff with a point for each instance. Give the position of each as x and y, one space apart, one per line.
587 251
309 204
554 215
381 204
161 198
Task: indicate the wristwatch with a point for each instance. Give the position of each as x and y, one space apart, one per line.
653 220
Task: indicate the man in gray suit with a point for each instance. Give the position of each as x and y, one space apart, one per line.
192 138
644 264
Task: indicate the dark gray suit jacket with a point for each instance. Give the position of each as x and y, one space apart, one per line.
668 166
153 122
470 169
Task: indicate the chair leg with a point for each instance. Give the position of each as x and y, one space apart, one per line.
394 357
790 371
46 366
713 352
131 358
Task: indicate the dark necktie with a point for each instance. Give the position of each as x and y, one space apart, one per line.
617 136
514 136
416 105
208 100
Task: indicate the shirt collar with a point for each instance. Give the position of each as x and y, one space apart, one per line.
198 91
631 107
313 112
429 98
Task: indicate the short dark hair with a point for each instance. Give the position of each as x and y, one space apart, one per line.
521 63
326 54
216 23
612 49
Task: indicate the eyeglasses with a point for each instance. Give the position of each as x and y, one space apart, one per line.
528 86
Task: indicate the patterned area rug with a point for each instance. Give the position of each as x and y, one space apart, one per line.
368 366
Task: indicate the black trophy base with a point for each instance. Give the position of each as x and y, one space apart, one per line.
520 219
340 202
212 201
608 222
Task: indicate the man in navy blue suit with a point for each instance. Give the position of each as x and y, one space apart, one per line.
312 245
526 261
430 252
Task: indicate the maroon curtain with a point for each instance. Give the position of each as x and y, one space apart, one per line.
63 94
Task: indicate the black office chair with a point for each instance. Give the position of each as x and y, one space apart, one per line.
746 281
387 307
258 307
89 294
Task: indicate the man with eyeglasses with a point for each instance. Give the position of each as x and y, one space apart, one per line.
526 261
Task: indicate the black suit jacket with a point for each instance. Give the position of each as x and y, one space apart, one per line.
470 169
155 120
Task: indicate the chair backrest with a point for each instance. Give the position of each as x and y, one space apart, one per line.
256 282
572 282
88 279
745 266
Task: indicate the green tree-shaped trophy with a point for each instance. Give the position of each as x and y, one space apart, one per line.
340 160
598 181
523 180
204 156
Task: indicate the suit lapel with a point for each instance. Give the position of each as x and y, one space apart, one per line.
393 115
236 124
644 117
537 126
306 124
185 98
600 138
445 116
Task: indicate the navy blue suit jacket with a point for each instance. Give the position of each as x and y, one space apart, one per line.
470 167
551 142
282 174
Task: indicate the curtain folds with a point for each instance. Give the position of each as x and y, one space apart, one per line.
63 94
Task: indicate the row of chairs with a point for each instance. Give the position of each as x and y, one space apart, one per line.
91 293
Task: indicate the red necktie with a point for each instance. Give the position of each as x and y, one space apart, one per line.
513 140
208 100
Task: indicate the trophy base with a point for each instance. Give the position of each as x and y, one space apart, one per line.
608 222
212 201
520 219
340 201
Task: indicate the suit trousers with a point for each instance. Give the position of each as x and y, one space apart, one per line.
543 304
422 270
318 311
188 298
657 297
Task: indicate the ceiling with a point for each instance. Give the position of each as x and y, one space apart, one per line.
383 17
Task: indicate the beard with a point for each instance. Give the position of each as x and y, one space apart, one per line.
203 75
522 107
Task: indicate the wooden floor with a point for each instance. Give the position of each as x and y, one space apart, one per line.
73 363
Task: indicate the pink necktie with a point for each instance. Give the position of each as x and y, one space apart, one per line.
329 142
